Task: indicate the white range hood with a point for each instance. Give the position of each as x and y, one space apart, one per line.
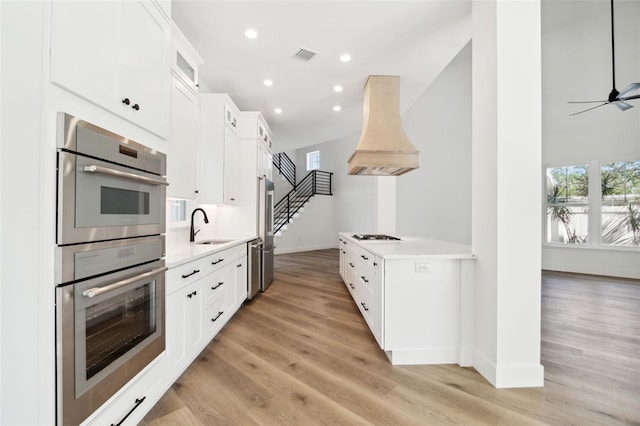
384 149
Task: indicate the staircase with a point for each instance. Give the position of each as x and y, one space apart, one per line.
315 183
285 167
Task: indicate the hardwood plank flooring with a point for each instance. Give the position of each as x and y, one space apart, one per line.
301 354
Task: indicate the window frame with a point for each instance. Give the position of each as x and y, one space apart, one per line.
594 240
310 160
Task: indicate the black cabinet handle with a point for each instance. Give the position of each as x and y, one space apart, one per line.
232 199
364 279
238 266
137 404
136 107
351 264
351 285
195 271
126 101
217 316
217 261
219 284
364 257
193 293
375 263
364 306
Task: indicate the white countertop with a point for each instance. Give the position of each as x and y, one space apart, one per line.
178 253
412 248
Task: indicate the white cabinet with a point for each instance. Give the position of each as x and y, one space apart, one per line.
114 54
412 304
183 135
184 319
219 150
237 291
182 157
256 135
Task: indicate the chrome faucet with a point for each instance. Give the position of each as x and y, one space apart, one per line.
192 234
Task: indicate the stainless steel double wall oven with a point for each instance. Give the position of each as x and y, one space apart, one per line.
109 264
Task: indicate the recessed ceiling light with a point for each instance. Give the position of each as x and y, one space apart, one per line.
337 89
278 110
250 33
268 82
337 107
345 57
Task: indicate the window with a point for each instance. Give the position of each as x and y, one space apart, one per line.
313 160
568 204
177 210
620 206
595 204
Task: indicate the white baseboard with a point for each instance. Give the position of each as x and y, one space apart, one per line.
423 356
509 376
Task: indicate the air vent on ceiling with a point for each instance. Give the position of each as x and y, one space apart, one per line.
304 55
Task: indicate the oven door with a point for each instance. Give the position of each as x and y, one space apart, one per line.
100 201
108 329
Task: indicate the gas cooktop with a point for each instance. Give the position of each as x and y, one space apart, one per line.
375 237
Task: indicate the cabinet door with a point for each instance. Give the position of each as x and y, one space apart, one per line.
237 290
84 48
143 65
231 162
182 158
184 322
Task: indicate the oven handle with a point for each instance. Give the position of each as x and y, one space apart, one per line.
97 291
124 175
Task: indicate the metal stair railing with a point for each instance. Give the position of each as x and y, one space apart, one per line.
315 183
286 167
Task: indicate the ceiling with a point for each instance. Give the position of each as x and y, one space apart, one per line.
412 39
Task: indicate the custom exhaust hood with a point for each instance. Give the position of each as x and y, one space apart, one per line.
384 149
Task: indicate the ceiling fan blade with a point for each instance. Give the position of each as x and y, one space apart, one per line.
597 106
623 106
585 102
628 98
629 89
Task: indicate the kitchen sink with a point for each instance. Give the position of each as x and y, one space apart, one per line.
212 242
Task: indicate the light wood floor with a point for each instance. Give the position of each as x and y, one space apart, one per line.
300 354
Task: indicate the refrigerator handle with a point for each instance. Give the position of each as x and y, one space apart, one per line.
269 250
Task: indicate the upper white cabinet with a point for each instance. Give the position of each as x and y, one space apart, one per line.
219 153
116 55
255 133
183 135
182 158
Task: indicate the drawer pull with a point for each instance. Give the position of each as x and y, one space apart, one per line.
364 279
351 285
239 265
219 284
137 404
364 257
364 306
195 271
193 293
217 261
352 265
217 316
375 263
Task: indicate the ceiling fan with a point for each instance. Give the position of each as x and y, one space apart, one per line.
617 98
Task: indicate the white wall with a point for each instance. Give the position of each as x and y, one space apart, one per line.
303 233
576 59
435 200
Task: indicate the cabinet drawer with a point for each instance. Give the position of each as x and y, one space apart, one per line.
214 286
215 318
367 259
148 387
223 258
183 275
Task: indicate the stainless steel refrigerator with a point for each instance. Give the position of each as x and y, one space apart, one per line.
261 251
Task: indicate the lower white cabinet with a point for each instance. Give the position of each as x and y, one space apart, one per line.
202 295
184 319
418 307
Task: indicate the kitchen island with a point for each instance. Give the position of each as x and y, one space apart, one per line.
415 294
